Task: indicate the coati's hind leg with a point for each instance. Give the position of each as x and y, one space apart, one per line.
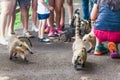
10 57
25 59
15 55
10 54
83 65
88 51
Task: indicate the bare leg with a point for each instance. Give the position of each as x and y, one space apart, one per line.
4 16
62 16
11 25
51 18
34 16
24 16
34 12
7 11
58 6
41 28
70 10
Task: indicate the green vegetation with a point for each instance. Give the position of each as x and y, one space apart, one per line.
18 19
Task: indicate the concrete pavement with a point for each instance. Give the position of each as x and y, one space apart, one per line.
52 61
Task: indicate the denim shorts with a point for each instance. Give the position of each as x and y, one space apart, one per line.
24 2
43 16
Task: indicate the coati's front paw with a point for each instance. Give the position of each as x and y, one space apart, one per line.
10 58
77 67
62 37
26 60
31 53
88 51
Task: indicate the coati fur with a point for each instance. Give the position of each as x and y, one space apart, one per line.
79 50
85 27
16 45
67 34
90 38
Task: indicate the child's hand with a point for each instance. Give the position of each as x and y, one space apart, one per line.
51 8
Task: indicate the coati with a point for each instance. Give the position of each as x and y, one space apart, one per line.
90 38
85 27
67 34
78 47
16 45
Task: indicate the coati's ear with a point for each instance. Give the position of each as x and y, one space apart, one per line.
20 44
83 49
90 36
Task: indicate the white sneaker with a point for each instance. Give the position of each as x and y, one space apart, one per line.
34 29
3 42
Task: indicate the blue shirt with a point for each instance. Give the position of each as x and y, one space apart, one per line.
107 19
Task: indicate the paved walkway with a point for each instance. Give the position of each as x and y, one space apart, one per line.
52 61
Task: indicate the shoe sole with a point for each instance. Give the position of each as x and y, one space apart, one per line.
112 46
98 53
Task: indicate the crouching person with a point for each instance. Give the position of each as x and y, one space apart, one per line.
106 14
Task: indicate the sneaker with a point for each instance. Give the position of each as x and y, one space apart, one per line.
59 31
100 49
47 29
43 40
34 28
51 33
113 50
3 42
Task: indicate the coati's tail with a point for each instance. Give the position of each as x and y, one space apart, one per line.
77 16
25 39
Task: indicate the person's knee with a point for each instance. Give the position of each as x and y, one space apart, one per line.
69 2
5 11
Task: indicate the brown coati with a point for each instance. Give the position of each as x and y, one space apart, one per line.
17 45
90 38
67 34
79 49
85 27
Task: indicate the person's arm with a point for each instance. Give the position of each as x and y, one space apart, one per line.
46 5
94 14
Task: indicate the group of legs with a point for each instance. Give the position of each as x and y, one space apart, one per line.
8 17
58 14
87 8
7 20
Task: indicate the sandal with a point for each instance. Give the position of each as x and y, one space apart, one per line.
12 33
99 50
113 50
28 34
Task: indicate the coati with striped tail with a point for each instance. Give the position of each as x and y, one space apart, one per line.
79 50
19 45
